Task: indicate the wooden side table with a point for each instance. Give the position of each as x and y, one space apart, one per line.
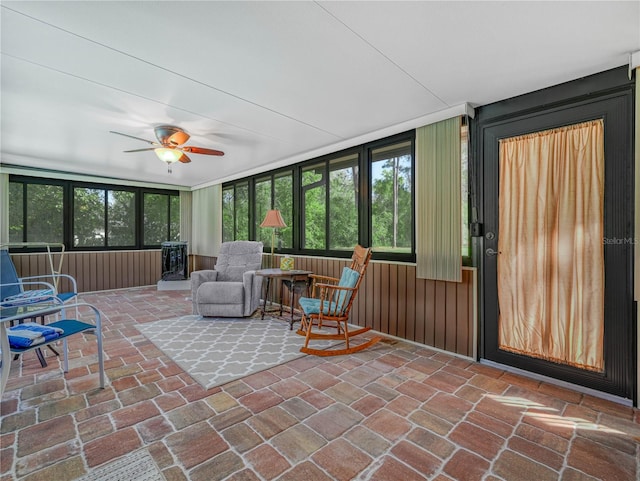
293 280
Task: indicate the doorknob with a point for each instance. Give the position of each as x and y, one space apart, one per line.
490 252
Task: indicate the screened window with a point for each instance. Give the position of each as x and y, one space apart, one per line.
89 217
262 205
36 212
16 212
235 212
314 207
228 217
283 201
242 211
92 216
362 195
161 221
121 208
343 203
391 198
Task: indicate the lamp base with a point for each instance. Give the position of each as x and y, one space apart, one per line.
273 243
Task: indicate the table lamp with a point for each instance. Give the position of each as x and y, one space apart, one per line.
274 220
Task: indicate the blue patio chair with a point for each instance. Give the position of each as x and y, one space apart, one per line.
16 291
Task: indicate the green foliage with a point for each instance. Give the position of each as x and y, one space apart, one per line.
314 217
121 212
343 208
88 217
156 218
263 204
227 215
283 186
16 216
101 217
45 220
391 205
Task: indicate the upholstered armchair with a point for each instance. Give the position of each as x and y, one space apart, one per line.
232 289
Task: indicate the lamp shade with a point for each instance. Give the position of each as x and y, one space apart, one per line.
168 155
273 219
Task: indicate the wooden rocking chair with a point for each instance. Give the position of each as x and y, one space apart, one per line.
329 307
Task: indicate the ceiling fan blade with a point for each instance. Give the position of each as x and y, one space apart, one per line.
202 150
184 159
132 137
139 150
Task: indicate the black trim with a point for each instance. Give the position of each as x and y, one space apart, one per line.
610 96
363 153
68 187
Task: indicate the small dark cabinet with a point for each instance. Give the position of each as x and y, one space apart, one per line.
174 261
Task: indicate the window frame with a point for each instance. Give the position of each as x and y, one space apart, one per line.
363 152
68 187
367 210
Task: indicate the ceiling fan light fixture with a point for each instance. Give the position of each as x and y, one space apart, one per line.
168 155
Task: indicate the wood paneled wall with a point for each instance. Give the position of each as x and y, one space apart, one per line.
391 299
97 271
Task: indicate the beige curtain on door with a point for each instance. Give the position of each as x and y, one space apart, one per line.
551 262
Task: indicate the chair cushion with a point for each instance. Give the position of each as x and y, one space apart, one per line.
312 306
28 297
65 296
349 279
236 258
221 293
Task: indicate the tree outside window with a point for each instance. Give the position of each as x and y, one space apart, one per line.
88 217
314 188
262 205
283 201
160 223
121 212
391 198
44 215
343 202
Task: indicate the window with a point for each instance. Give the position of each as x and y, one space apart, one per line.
90 216
362 195
16 212
314 206
242 211
121 208
262 205
228 217
343 203
391 198
161 218
283 201
235 212
36 212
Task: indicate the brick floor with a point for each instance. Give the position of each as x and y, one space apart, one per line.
393 412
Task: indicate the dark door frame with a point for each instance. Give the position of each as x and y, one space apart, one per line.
608 95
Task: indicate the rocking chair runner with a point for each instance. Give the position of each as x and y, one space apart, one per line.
330 306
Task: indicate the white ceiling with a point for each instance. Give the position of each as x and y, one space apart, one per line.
271 83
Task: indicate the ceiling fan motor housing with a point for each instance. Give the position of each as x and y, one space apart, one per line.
170 135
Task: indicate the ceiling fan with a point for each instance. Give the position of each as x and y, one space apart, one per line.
169 146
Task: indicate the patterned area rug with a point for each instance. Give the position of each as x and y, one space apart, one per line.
216 351
138 465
